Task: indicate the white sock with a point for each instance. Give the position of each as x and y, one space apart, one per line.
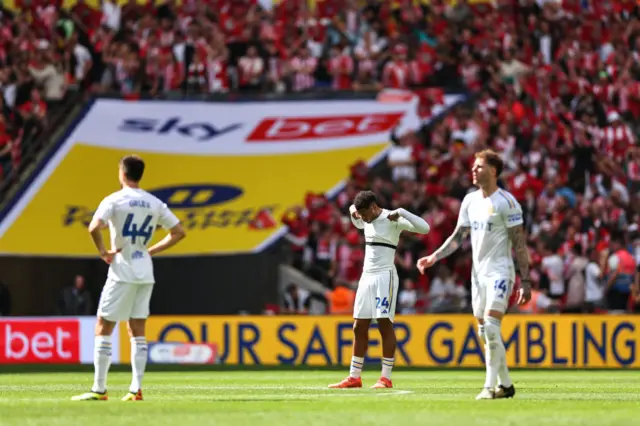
138 362
356 366
481 334
494 351
503 373
387 366
101 363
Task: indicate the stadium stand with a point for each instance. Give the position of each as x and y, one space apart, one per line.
555 87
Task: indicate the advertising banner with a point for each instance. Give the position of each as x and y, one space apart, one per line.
558 341
228 170
50 340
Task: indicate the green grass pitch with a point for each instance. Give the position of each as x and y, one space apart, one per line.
301 398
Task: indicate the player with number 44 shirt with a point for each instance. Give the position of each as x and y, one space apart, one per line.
132 216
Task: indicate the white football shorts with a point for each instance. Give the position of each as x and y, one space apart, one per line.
490 294
376 295
123 301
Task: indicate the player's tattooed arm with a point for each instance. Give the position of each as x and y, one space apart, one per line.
453 243
519 244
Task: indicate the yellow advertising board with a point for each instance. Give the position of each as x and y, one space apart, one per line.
546 341
228 170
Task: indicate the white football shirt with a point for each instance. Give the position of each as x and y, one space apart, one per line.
381 236
133 215
489 219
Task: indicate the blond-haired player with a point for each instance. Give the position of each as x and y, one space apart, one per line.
493 217
132 215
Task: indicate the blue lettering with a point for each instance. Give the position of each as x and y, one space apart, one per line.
316 336
574 343
176 326
227 340
247 344
515 340
601 348
342 341
140 203
400 342
554 346
200 131
629 343
294 349
532 342
448 343
473 349
372 343
482 225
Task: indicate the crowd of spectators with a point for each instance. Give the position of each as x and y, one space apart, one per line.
557 95
152 48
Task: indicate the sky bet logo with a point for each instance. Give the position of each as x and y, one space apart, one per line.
198 206
202 132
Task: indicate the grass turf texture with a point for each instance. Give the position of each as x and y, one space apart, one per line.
279 398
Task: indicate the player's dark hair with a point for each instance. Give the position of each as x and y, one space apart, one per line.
493 159
364 200
133 167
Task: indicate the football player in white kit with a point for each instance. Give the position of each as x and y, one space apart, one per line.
132 215
493 217
378 287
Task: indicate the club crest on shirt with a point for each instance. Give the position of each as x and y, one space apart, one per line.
491 209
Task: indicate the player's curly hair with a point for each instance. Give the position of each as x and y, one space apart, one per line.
364 200
493 159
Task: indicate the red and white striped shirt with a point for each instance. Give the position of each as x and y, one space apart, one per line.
396 75
250 69
341 67
303 69
617 140
217 73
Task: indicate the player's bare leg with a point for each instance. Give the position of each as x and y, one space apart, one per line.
496 360
139 352
360 343
388 336
101 362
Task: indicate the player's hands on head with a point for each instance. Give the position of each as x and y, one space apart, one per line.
425 263
354 212
107 256
393 216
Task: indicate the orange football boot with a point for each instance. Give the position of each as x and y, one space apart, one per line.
349 382
382 383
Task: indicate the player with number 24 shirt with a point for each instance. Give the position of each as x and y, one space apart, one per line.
132 216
